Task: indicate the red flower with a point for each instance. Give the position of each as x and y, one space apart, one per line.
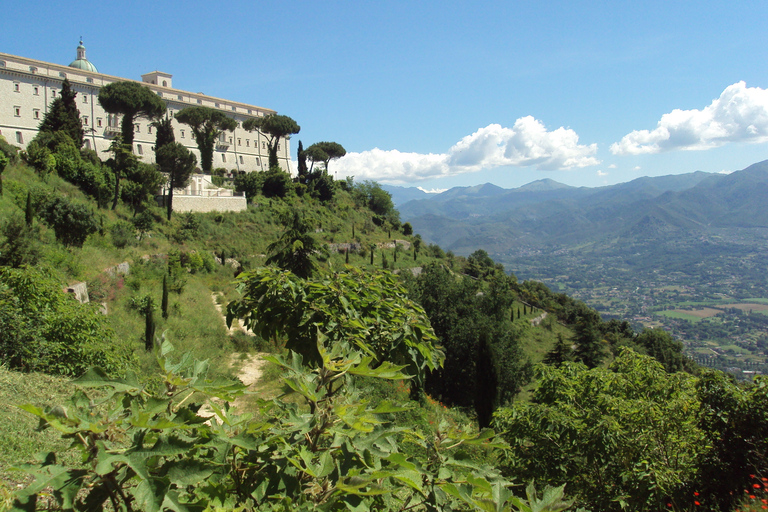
756 486
751 496
695 494
696 503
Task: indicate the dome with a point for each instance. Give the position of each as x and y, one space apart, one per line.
81 62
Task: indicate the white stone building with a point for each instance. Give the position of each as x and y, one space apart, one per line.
28 86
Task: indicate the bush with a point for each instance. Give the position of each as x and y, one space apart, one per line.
71 222
123 233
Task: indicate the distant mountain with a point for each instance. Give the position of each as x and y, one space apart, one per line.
546 213
401 195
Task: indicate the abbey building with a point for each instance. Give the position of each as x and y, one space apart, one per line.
28 86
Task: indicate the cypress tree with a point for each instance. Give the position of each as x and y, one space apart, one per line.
346 256
353 230
302 157
164 304
28 212
486 383
64 116
372 248
149 324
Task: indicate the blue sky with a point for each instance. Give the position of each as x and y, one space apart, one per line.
442 94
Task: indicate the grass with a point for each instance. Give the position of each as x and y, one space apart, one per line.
19 442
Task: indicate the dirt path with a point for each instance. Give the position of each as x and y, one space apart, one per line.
247 367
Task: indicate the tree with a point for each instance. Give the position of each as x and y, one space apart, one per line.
164 300
132 101
122 161
143 182
625 438
302 166
178 163
407 229
589 341
276 127
164 134
20 242
63 115
206 124
560 353
315 154
328 151
3 164
295 248
71 222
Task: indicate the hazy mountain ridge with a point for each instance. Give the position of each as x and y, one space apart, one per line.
546 213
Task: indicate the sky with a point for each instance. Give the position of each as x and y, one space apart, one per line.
443 94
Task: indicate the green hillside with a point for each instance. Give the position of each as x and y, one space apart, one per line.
382 369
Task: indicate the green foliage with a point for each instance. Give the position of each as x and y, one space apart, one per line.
474 332
276 183
146 448
143 223
123 233
369 311
659 344
132 100
64 116
734 417
164 134
325 152
142 183
71 222
206 124
276 127
624 437
3 163
20 242
179 163
46 330
378 200
250 183
295 249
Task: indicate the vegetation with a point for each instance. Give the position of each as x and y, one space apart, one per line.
64 116
389 376
131 100
206 124
275 127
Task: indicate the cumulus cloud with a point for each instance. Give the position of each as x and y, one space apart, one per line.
602 173
612 166
739 114
526 144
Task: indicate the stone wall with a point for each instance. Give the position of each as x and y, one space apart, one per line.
209 204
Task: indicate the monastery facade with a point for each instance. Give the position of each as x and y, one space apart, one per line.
28 86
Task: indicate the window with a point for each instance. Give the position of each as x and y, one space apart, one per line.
165 84
62 74
241 159
85 98
85 120
139 149
137 126
249 111
239 142
17 111
98 122
36 113
230 140
37 91
278 146
182 134
257 163
16 87
234 109
2 63
32 69
180 97
223 158
263 145
149 128
89 80
247 143
53 93
159 93
199 102
19 138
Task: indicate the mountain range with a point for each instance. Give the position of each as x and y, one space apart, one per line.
546 213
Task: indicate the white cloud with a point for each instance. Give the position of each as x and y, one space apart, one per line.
526 144
602 173
612 166
432 190
636 168
739 114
